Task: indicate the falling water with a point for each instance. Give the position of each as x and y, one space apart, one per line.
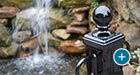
39 23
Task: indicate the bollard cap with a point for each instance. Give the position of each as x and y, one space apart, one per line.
102 17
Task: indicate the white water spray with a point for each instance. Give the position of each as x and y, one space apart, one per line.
39 23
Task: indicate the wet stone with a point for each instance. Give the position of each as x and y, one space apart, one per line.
77 29
8 51
21 36
3 21
84 22
80 9
32 43
72 46
5 36
79 16
8 12
61 33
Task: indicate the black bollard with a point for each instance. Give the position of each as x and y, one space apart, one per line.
101 45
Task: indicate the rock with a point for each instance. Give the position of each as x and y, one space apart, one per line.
56 23
72 46
61 33
80 9
3 21
75 3
24 53
129 9
5 36
21 36
90 16
56 18
84 22
49 40
43 41
131 32
77 29
138 71
92 27
54 42
55 3
79 16
32 43
8 51
128 70
92 24
137 52
17 3
116 18
135 15
8 12
21 53
114 27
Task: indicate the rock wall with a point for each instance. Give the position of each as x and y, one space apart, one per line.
128 9
68 24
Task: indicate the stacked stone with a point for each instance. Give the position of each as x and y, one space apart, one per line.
6 46
79 24
71 42
8 11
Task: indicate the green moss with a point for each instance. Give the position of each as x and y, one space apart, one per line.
73 3
55 24
5 36
17 3
52 41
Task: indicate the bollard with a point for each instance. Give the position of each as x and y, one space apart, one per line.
101 45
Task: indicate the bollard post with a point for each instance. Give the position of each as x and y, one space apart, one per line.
102 43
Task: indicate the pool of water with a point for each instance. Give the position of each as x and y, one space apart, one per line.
55 63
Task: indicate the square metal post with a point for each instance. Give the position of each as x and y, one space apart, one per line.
103 47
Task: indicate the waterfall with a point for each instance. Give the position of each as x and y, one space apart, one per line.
36 19
43 4
38 22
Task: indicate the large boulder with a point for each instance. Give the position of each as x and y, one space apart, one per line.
131 31
17 3
5 36
128 9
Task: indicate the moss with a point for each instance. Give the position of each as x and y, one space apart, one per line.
5 15
17 3
21 21
52 41
5 36
55 24
74 3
